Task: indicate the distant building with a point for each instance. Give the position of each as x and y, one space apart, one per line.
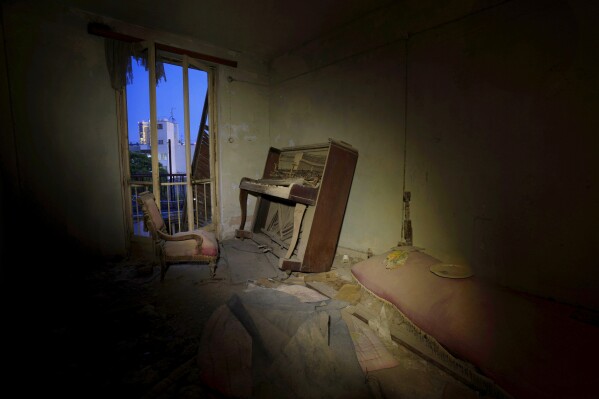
144 132
167 130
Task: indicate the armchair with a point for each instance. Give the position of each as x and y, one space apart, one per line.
192 246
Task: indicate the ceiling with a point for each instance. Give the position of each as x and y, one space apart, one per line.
264 28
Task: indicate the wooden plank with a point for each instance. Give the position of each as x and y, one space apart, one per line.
323 288
186 118
402 335
104 31
243 234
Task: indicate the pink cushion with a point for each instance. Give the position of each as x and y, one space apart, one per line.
210 244
187 247
530 347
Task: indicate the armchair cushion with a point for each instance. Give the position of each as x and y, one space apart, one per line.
188 248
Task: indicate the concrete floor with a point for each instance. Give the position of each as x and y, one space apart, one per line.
118 330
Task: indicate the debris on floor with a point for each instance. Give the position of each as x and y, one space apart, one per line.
298 349
258 345
119 330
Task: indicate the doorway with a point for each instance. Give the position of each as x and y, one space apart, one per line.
169 144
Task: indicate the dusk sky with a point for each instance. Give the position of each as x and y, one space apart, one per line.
169 96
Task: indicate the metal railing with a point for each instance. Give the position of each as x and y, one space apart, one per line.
173 196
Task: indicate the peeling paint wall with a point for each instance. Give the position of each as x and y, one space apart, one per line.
501 145
501 110
499 127
349 85
65 129
344 101
66 137
243 139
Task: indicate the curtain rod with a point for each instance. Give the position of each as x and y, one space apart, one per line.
104 31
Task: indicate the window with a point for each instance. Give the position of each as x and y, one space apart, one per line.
187 194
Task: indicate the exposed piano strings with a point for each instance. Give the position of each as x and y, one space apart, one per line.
301 197
279 224
307 166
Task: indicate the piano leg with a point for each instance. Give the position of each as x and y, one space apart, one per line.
243 202
298 215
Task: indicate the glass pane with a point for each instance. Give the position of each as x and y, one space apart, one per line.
200 139
170 145
138 109
138 131
198 88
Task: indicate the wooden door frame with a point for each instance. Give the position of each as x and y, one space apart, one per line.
138 244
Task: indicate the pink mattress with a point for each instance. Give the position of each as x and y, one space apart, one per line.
531 348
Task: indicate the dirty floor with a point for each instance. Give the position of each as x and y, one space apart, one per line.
115 330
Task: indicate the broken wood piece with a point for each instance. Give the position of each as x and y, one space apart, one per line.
426 347
298 215
303 293
349 293
370 350
323 288
324 321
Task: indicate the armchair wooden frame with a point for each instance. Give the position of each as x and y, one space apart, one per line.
176 248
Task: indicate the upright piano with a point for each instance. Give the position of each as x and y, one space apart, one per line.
301 201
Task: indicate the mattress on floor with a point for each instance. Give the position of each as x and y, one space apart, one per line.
531 348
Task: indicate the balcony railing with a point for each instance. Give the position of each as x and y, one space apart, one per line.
173 198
